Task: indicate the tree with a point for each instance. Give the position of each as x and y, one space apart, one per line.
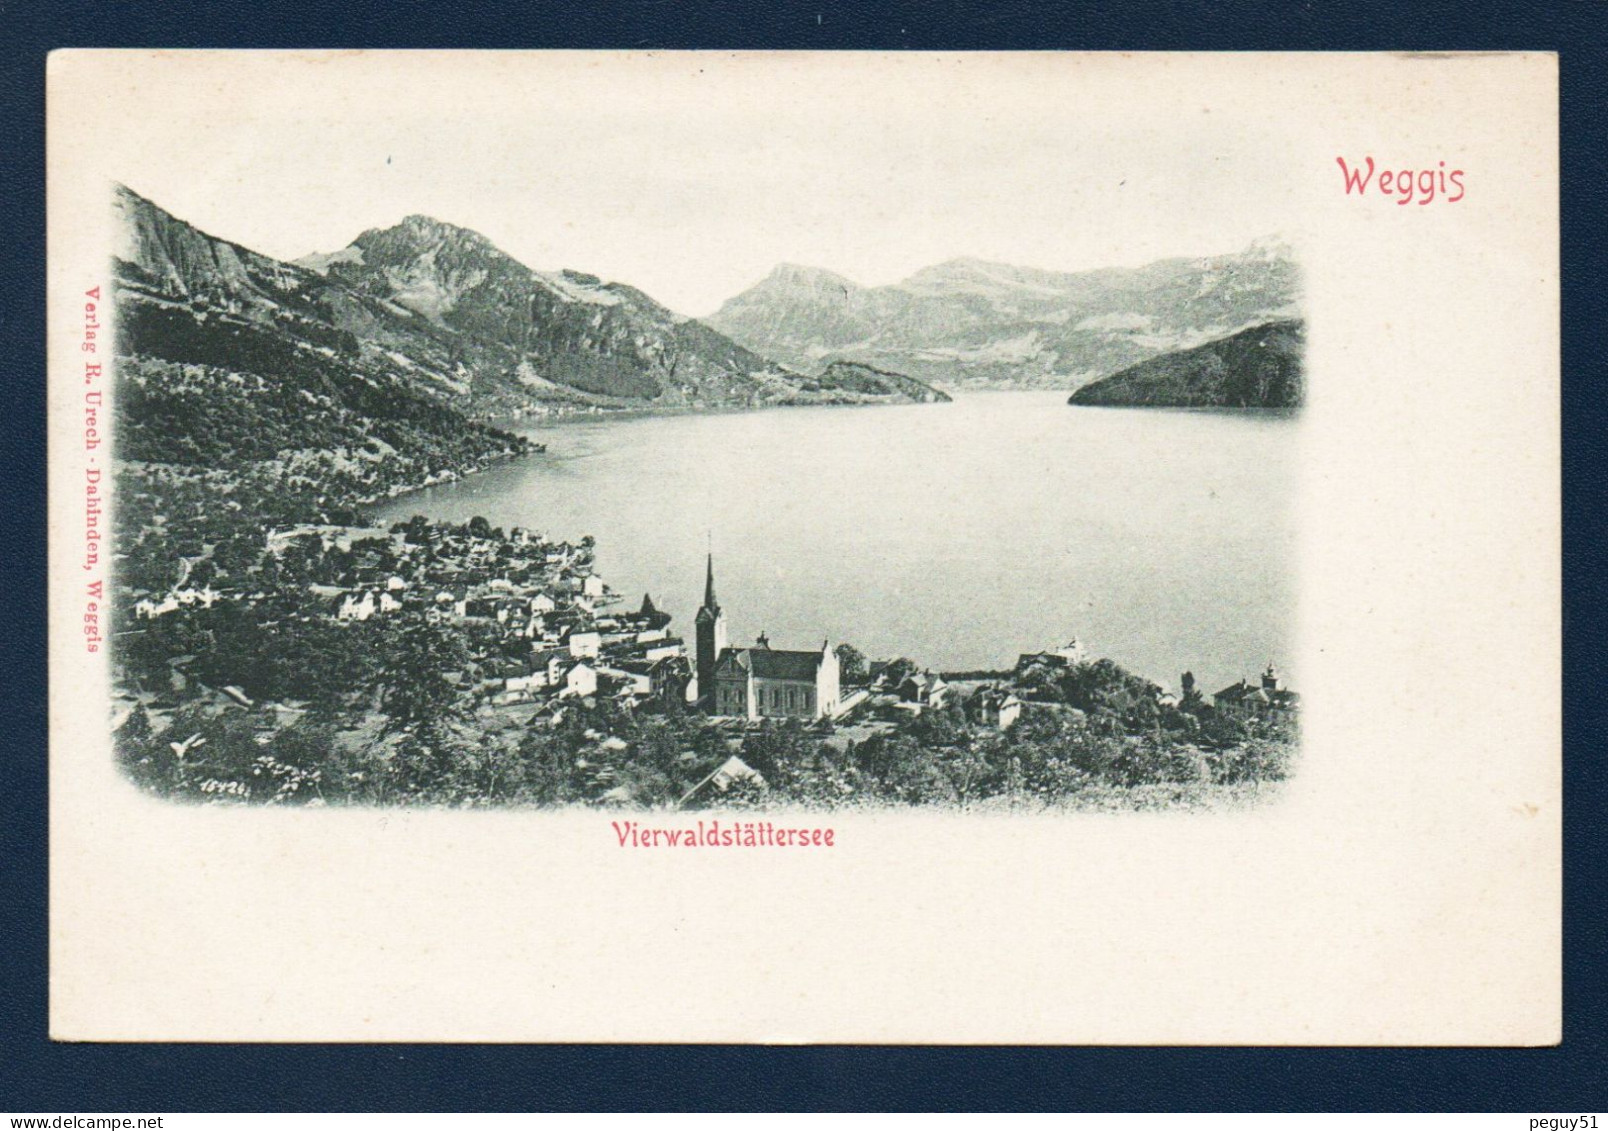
911 774
775 747
416 531
851 663
970 772
547 769
1223 729
1256 760
1107 690
895 672
138 752
430 761
939 728
1193 701
417 691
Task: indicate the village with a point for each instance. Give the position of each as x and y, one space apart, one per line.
528 634
542 623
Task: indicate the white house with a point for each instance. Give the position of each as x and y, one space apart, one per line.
357 606
997 708
924 688
146 607
633 683
581 680
1071 651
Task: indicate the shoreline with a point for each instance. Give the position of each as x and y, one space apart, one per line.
525 425
362 506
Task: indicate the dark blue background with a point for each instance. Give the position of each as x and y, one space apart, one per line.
36 1075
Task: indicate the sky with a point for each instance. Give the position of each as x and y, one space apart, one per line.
692 175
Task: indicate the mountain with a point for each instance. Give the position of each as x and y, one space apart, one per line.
229 359
440 311
529 338
972 323
514 338
854 377
1259 367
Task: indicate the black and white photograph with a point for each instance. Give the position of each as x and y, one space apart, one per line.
420 519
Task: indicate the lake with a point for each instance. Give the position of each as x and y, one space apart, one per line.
956 534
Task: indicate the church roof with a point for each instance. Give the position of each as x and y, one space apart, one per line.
774 663
1241 691
769 663
1244 691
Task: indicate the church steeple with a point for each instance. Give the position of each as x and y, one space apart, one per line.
709 587
711 638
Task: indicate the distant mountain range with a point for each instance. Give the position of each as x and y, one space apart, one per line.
1259 367
968 323
439 312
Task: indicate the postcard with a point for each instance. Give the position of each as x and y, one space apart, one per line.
1035 548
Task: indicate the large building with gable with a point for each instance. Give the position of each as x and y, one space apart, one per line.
760 682
1246 700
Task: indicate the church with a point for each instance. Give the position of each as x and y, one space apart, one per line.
760 682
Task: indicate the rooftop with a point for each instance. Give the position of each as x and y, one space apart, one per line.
775 663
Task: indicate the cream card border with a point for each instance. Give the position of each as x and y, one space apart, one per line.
1404 890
